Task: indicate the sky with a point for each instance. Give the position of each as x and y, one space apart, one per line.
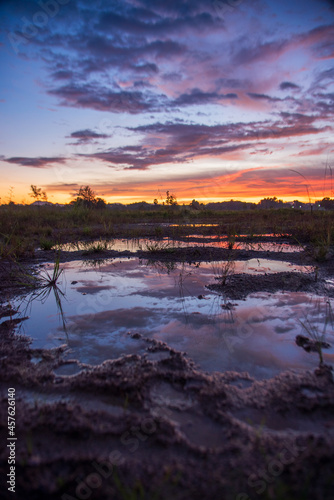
209 99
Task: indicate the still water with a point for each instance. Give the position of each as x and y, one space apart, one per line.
103 303
193 240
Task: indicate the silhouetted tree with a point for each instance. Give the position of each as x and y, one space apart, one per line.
170 199
37 193
270 202
86 197
195 204
100 203
327 203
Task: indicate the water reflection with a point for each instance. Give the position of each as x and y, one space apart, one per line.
169 302
46 287
192 240
316 337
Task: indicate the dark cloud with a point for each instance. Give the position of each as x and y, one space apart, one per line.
144 56
39 162
137 22
232 83
181 7
172 77
84 51
147 157
196 96
164 48
248 50
254 95
87 135
192 136
141 84
324 50
59 186
128 158
131 101
323 79
125 39
288 86
140 42
62 75
146 68
325 104
297 118
101 98
96 56
173 142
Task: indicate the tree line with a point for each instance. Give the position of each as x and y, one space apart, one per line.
86 197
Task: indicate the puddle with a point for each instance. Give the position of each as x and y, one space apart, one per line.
257 266
192 240
269 247
190 225
169 302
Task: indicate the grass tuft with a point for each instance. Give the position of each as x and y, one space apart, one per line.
46 244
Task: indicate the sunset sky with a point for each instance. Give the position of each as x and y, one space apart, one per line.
208 99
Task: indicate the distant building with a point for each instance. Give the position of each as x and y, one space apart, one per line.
46 203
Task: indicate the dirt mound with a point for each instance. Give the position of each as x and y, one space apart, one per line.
163 429
238 286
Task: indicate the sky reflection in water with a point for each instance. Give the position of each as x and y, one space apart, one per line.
135 244
160 300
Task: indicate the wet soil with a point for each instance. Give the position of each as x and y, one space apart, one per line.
238 286
233 285
154 425
163 427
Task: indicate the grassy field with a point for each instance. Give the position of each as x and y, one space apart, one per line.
25 228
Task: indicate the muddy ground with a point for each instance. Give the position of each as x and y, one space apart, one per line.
155 426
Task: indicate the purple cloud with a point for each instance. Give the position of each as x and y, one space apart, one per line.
95 96
288 86
87 135
39 162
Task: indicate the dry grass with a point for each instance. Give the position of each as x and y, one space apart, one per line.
25 228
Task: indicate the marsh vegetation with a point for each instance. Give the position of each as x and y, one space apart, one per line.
176 334
23 229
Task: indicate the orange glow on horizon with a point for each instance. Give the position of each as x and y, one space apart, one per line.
248 184
236 186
